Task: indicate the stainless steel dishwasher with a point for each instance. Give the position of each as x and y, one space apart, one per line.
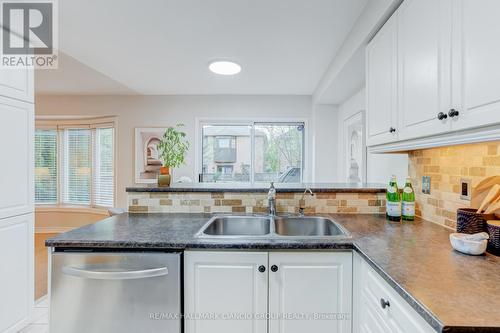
115 292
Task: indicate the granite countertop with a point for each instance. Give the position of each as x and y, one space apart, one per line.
453 292
280 187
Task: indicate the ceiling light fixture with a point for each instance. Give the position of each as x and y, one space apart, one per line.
224 67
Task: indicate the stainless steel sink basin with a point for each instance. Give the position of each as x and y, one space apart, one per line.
271 227
307 227
231 226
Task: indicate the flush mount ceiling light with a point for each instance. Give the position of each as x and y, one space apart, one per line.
224 67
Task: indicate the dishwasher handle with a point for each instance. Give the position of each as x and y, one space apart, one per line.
92 272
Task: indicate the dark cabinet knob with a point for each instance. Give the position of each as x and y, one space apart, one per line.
392 130
453 113
262 268
274 268
384 303
442 116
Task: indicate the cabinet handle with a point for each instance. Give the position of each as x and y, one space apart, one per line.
262 268
384 303
442 116
274 268
453 113
392 130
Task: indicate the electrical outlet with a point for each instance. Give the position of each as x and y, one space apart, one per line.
465 189
426 184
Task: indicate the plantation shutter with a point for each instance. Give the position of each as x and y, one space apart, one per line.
46 166
103 182
77 166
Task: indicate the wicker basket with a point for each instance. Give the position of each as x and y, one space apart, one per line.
494 241
470 222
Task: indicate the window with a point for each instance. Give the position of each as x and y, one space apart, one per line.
257 152
75 165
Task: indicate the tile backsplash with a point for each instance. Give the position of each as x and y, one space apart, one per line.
235 202
447 166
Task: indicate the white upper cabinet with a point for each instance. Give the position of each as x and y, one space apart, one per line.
16 148
476 63
381 85
17 83
310 283
424 63
447 71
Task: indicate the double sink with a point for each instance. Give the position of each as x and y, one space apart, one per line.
269 226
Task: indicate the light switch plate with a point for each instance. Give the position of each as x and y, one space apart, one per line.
465 189
426 184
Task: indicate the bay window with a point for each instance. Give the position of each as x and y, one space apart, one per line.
74 165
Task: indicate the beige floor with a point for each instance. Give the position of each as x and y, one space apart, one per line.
41 264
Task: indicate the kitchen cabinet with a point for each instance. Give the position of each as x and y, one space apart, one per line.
378 308
476 72
226 284
424 66
16 272
255 283
447 71
381 85
16 148
17 83
310 284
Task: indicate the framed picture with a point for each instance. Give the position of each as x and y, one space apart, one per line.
355 148
147 159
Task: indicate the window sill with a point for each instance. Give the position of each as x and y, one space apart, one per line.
71 209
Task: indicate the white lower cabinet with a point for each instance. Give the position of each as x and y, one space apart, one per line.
315 287
16 272
297 287
378 308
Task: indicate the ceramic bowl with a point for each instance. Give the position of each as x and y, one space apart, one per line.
467 246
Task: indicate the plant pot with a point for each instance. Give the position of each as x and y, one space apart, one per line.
164 178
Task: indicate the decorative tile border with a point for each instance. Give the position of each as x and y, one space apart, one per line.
232 202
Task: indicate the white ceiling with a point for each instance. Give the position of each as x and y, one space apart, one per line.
164 46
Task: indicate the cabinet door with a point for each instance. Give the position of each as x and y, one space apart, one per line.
381 85
229 286
16 150
16 272
306 285
17 83
476 63
424 48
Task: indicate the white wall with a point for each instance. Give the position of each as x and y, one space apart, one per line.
161 111
325 153
379 166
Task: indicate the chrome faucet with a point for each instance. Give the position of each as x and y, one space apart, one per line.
271 198
301 209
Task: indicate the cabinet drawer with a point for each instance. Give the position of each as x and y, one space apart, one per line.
398 315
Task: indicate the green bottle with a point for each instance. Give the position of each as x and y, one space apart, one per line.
408 206
393 201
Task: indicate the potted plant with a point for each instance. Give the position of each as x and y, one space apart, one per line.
172 148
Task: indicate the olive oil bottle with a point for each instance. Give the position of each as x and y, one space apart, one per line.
408 204
393 201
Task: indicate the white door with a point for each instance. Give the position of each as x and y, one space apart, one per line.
424 49
16 272
310 292
476 63
228 285
381 85
16 151
17 83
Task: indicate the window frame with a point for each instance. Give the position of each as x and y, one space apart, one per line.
61 124
200 122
